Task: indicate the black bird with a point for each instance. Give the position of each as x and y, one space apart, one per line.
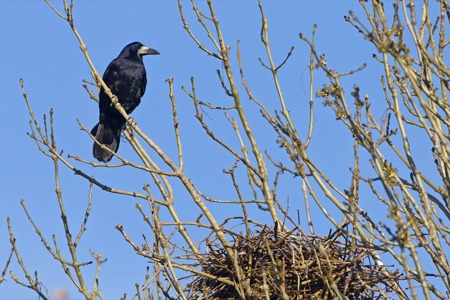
127 79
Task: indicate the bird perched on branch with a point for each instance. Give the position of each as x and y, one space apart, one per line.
127 79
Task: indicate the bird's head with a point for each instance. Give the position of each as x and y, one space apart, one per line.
137 50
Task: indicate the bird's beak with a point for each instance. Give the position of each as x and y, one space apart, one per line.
146 51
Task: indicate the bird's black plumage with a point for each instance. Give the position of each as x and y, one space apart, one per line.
127 79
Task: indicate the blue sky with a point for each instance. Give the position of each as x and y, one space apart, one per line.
40 48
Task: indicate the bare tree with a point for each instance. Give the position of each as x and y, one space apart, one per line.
410 46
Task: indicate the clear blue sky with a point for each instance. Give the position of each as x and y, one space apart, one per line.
40 48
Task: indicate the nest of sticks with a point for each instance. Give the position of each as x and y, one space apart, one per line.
292 265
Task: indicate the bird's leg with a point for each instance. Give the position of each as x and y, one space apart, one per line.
131 121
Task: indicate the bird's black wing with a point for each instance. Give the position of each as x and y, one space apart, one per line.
133 83
112 78
127 80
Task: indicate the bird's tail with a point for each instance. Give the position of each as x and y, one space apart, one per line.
109 137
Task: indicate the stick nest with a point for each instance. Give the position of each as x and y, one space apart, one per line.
293 265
